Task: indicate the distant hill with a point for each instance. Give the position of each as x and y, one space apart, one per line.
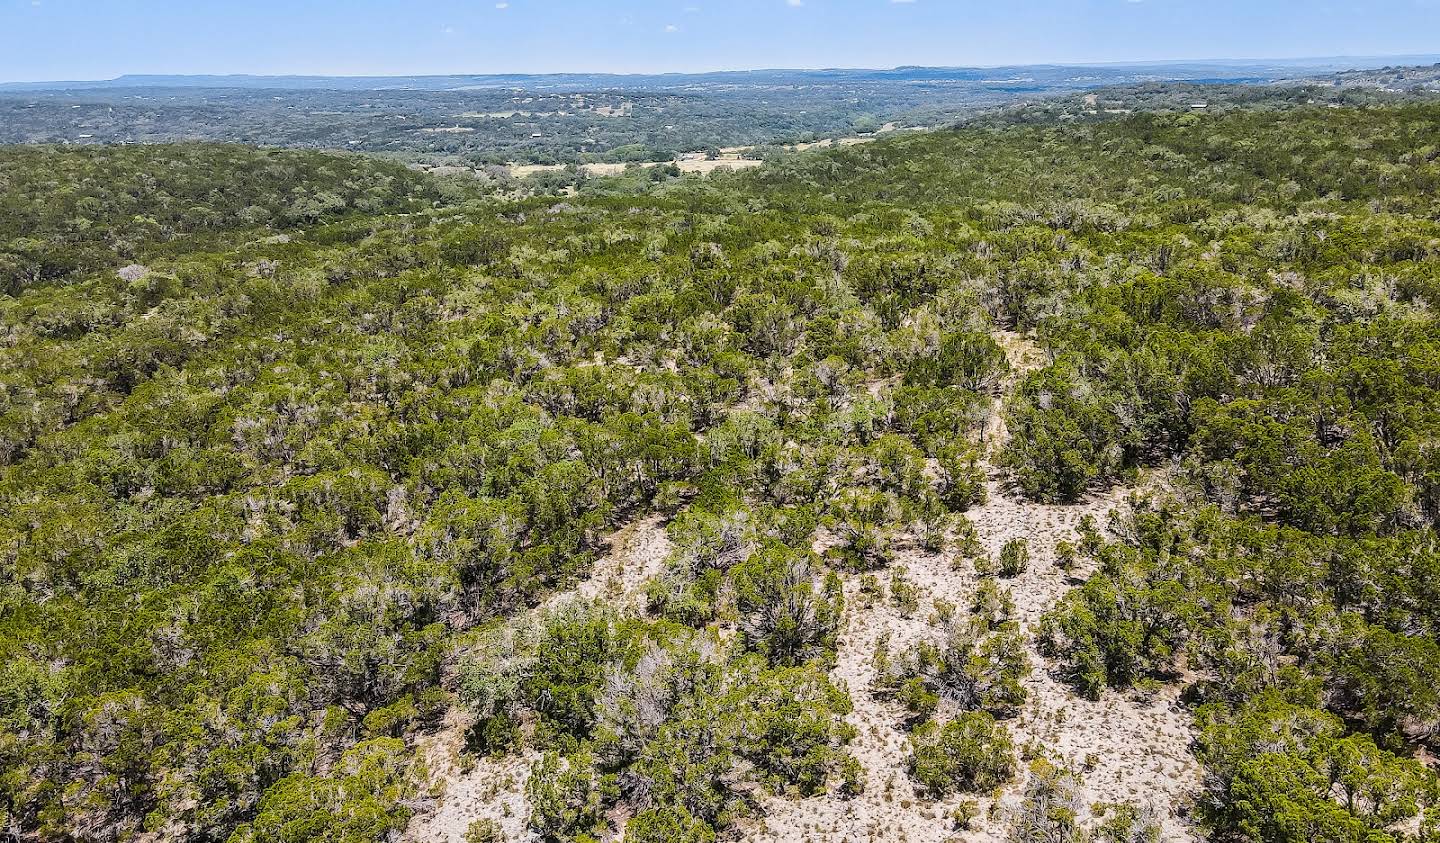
1390 78
481 120
1047 73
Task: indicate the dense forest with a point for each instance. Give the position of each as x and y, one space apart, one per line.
308 459
63 214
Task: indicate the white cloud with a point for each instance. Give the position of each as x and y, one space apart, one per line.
502 5
794 4
670 27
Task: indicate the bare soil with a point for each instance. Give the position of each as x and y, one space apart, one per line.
1127 747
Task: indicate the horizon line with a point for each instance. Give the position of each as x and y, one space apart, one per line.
1241 61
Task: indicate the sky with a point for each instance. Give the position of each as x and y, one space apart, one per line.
100 39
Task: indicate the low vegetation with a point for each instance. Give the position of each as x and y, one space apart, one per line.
285 480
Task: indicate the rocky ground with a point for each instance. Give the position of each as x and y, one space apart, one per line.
1127 747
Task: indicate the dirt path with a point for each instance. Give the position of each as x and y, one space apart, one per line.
490 788
1137 750
494 788
1127 747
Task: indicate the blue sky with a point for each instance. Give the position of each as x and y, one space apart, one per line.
89 39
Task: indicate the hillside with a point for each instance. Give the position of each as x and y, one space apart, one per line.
563 118
1391 78
1059 482
63 213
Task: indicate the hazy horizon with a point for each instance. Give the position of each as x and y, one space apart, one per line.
1200 61
76 40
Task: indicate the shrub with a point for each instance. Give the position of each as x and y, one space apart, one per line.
1050 809
1014 558
484 831
565 796
852 776
970 754
668 825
